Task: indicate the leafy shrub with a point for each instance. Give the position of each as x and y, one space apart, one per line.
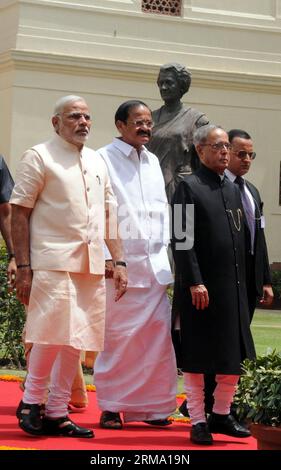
259 391
12 318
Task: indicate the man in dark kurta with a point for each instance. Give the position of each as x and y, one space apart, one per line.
211 291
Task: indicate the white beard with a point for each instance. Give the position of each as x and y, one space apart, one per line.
81 139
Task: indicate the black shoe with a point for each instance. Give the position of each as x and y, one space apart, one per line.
183 409
200 434
240 419
21 406
64 427
30 419
158 422
227 424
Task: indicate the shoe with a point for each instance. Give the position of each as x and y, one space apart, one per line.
110 420
64 427
21 406
30 419
200 434
183 409
227 424
241 419
158 422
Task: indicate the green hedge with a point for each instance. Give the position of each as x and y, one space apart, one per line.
12 318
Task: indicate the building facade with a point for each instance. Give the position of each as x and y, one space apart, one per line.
110 50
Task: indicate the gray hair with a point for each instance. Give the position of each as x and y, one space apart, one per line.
201 134
62 102
182 74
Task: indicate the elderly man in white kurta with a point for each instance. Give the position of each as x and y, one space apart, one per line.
60 203
136 372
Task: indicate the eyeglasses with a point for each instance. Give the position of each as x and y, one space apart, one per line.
244 154
142 123
219 145
78 116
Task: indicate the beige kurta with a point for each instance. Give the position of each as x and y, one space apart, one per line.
68 191
67 308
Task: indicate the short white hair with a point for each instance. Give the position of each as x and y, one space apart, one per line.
201 134
62 102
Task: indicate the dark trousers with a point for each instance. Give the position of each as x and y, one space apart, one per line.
176 338
209 388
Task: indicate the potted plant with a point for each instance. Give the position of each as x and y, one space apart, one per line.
258 399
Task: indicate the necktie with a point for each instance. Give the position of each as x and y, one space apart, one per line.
248 209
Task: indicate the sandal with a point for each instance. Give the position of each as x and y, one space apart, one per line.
21 405
64 427
110 420
30 419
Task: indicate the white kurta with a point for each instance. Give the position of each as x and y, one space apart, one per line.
136 373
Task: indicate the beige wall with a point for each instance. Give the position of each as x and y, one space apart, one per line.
108 51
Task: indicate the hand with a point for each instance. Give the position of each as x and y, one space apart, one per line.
268 296
23 284
11 274
121 281
200 296
109 269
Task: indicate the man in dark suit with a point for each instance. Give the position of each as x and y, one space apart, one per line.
258 271
211 297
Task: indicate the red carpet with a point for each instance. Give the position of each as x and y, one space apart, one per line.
134 436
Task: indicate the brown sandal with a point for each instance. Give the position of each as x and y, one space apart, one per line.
110 420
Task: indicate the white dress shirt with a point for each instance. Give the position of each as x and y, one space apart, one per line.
232 178
143 214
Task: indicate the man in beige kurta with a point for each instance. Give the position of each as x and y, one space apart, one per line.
61 201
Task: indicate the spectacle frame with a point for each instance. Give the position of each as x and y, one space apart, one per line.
141 123
242 154
219 145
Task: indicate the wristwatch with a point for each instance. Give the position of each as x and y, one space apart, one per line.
120 263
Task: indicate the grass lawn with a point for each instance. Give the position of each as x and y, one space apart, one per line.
266 330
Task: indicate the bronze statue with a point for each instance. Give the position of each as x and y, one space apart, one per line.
174 125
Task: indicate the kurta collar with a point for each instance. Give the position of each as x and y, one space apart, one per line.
128 149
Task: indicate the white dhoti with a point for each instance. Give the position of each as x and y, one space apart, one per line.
136 372
66 309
